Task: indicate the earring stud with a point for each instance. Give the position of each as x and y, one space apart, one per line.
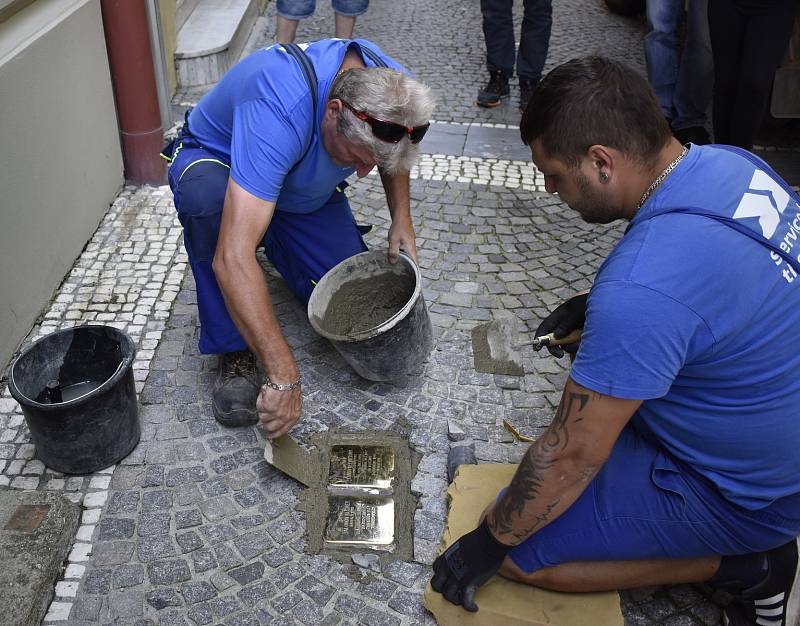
603 177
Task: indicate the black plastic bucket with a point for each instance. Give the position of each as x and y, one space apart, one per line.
392 350
78 396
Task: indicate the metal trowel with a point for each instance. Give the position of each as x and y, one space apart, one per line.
285 454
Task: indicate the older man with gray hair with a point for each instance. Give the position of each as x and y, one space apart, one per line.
261 162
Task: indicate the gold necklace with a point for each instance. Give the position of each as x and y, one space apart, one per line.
661 177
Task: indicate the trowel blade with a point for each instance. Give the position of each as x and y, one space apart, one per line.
285 454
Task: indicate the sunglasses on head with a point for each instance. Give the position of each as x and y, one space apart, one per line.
390 132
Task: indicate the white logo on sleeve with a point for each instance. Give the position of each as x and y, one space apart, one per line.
766 200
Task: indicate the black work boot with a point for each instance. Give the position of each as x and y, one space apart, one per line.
775 601
496 89
525 90
236 389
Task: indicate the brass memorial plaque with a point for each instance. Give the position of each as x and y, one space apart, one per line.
354 520
361 466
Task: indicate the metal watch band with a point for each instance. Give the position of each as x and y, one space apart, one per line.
283 386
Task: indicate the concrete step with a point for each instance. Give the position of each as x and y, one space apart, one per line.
183 9
36 532
212 38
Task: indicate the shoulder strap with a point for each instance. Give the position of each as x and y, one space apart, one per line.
299 55
307 66
730 222
379 62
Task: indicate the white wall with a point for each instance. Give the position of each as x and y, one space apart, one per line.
60 161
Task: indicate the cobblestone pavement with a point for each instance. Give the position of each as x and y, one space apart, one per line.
193 527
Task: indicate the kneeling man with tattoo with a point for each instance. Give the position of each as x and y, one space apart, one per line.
673 455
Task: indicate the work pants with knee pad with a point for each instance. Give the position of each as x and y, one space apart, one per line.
301 246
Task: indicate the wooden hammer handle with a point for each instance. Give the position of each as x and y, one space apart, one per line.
550 340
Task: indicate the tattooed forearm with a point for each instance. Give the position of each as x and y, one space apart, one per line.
557 435
524 487
528 484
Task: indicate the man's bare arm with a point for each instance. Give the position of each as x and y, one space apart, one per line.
561 463
401 232
245 219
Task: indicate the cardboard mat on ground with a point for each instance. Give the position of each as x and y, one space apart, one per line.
503 601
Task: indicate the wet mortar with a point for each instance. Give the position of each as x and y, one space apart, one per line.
361 304
314 500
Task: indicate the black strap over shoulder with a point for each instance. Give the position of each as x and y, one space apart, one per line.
308 71
379 62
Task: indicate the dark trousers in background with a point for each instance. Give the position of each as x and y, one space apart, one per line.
498 32
748 41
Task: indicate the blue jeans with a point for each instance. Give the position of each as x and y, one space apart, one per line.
683 83
498 32
301 246
301 9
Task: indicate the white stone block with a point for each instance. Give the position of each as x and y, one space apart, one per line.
35 467
95 499
74 571
29 483
58 612
85 533
66 589
90 516
100 482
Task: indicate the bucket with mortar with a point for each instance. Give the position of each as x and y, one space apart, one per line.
78 396
374 314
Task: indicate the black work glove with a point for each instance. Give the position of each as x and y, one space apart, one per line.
467 564
565 318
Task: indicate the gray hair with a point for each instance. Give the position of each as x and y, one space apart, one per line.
385 94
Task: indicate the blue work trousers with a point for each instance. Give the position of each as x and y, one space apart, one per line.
683 81
301 246
498 32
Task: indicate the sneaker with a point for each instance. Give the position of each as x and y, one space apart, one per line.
693 134
497 89
525 90
775 601
236 389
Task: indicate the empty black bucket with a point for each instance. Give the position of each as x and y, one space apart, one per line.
77 393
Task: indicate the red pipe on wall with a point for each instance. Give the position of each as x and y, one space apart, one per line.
134 83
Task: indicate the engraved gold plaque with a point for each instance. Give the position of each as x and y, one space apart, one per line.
353 520
361 466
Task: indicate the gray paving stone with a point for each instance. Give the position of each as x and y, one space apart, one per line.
224 605
204 560
128 575
200 614
112 552
189 541
125 604
112 528
187 519
152 548
97 582
254 594
87 608
247 574
194 592
152 524
168 572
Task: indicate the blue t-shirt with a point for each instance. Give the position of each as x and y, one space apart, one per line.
259 120
703 324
